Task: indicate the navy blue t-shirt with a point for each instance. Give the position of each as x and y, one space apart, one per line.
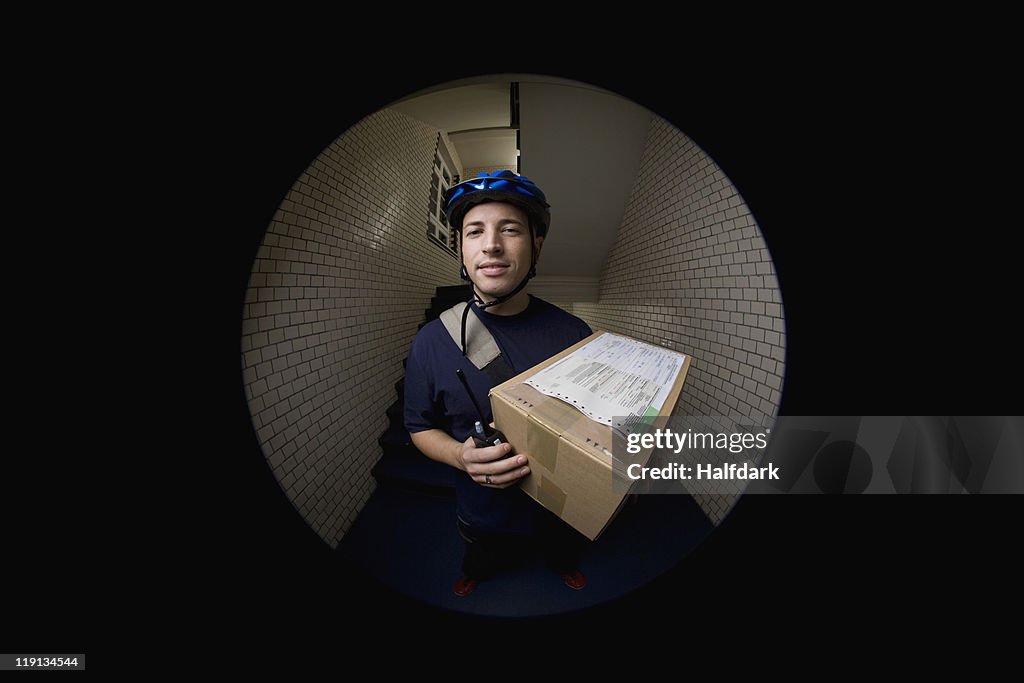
436 399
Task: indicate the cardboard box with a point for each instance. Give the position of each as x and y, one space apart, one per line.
570 461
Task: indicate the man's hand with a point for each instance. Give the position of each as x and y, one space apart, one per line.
489 466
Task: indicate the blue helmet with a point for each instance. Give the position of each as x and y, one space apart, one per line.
500 186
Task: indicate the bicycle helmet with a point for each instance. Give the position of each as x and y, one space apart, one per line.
500 186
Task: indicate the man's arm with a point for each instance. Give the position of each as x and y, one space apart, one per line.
437 445
486 466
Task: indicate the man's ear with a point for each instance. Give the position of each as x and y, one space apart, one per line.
538 242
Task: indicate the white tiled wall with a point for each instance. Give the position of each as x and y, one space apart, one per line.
338 289
690 271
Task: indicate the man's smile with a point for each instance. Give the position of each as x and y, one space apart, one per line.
493 268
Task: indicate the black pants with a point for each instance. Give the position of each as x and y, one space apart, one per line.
489 553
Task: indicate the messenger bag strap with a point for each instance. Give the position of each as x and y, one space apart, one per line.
481 349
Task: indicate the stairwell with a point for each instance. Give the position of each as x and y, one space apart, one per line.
402 465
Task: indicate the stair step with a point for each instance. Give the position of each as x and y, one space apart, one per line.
454 290
395 437
396 413
442 303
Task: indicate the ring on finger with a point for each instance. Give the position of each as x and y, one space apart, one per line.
487 478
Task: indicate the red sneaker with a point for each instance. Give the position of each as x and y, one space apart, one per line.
464 586
575 580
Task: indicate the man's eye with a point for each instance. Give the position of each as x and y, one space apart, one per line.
512 230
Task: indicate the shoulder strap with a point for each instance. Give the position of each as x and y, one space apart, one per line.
481 349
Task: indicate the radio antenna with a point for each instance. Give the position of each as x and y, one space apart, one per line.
465 383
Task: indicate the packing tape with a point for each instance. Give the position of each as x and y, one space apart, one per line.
551 417
550 496
541 444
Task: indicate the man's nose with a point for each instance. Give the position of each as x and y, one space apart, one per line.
492 241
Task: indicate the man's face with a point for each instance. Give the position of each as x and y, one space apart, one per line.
496 247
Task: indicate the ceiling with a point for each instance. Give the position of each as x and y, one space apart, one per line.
582 146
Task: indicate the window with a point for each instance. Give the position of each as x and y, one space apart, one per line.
442 177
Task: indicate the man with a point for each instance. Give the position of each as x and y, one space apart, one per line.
502 220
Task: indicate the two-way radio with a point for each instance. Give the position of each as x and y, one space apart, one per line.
484 436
